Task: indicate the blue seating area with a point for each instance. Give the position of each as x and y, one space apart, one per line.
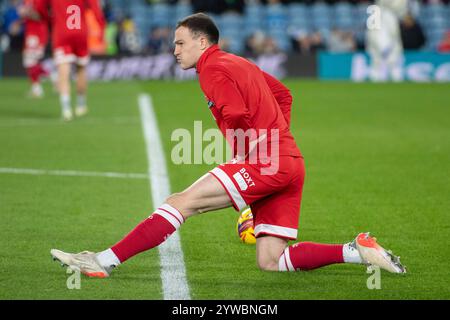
275 20
435 20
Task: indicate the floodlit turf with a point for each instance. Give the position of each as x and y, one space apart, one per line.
377 159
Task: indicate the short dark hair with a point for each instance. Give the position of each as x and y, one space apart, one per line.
200 23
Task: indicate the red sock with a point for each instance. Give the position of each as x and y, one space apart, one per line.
42 71
149 233
310 255
33 73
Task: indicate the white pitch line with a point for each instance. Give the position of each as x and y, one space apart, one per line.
173 271
73 173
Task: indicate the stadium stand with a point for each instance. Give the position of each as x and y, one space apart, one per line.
282 21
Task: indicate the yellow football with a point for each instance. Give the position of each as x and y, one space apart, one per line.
244 227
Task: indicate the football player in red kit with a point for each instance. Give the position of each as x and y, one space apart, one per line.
242 98
70 46
36 38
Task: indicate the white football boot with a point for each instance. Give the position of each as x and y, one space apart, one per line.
81 111
373 254
67 115
85 262
36 91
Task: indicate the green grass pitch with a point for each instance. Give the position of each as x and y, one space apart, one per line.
377 159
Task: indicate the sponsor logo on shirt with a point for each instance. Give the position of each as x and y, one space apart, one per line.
243 179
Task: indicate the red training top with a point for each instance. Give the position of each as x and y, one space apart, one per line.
68 16
242 96
38 28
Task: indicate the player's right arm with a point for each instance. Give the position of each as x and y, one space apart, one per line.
281 94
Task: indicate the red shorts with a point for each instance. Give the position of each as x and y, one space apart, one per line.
71 49
273 198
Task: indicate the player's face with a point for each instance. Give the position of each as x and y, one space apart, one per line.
187 49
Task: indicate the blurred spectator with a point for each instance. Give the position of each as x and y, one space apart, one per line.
270 46
341 41
111 38
123 35
13 26
96 32
260 44
113 18
129 40
160 40
307 43
254 44
107 11
224 44
444 45
411 33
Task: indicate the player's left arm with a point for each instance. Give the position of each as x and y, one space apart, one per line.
281 94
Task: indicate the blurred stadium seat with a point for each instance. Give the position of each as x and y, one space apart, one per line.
251 25
254 11
253 18
299 17
322 18
276 17
435 18
344 16
435 10
161 14
181 10
231 26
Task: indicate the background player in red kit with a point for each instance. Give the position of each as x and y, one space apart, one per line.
241 97
36 38
70 46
